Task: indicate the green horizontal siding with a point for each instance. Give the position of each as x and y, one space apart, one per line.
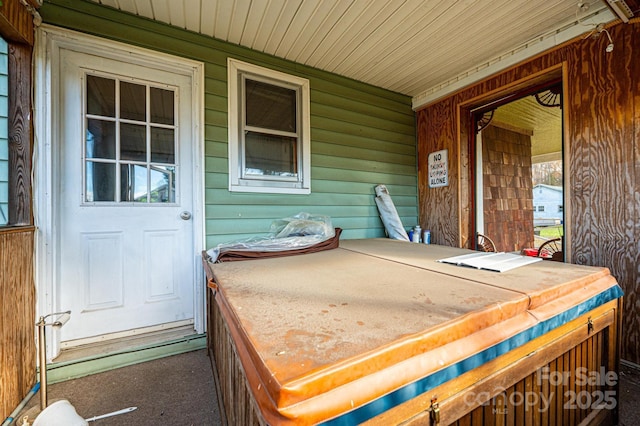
361 135
231 211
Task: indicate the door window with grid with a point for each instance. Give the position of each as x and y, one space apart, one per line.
130 141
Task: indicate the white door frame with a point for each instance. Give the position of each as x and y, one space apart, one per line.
49 41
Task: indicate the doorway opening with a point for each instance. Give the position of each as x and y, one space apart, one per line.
518 176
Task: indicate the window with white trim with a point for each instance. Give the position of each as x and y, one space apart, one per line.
269 131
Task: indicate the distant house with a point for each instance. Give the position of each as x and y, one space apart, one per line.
547 205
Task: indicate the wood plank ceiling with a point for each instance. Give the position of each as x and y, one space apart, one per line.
407 46
543 123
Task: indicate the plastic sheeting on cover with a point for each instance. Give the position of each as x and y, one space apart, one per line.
296 232
389 215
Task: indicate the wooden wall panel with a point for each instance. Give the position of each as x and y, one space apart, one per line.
20 134
602 99
17 318
631 321
438 203
16 21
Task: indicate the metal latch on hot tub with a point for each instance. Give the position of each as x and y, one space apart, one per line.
435 411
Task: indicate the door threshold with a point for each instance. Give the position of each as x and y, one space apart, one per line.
109 343
83 360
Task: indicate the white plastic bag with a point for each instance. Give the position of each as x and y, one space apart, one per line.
299 231
389 215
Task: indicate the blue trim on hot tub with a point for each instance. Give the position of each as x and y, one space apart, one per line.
414 389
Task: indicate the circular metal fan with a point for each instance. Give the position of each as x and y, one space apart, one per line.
551 97
484 120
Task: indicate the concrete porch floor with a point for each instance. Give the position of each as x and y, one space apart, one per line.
179 390
175 390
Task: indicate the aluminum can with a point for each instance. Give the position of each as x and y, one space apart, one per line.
426 236
417 233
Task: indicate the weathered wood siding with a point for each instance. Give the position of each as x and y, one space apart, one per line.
16 22
361 135
507 188
602 145
17 316
20 135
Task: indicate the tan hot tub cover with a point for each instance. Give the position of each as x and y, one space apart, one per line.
342 335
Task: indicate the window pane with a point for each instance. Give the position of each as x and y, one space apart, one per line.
4 173
133 103
4 135
101 96
101 181
161 106
270 155
133 183
270 107
162 145
162 184
101 140
133 142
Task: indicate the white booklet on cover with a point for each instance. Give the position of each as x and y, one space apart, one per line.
498 262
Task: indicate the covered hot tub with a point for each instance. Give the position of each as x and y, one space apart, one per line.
378 331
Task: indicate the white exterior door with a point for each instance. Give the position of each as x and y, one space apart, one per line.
123 197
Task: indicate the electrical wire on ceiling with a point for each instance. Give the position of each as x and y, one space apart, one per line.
597 30
609 47
595 33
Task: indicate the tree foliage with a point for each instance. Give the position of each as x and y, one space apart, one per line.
547 173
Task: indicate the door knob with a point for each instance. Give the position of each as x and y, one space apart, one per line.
185 215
